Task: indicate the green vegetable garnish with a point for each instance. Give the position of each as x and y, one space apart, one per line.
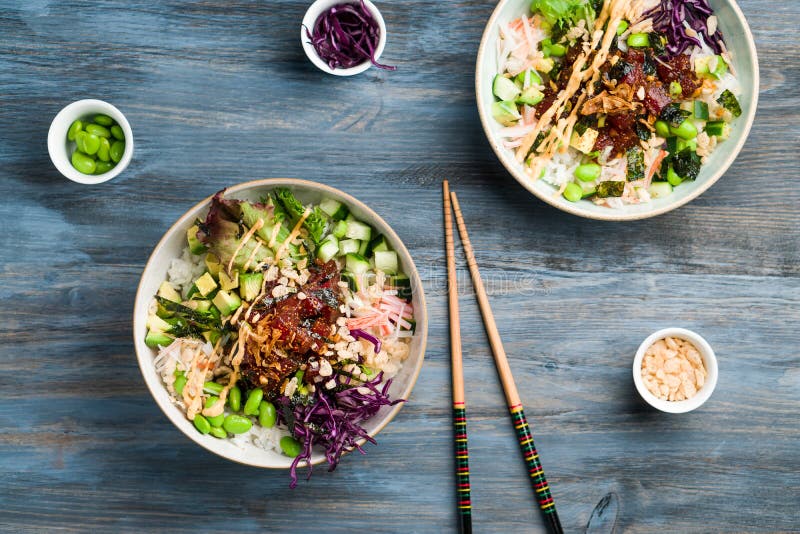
314 223
635 157
610 189
728 101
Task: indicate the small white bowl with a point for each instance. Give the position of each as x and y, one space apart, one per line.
709 360
61 149
313 13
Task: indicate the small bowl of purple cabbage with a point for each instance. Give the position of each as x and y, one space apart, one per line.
344 38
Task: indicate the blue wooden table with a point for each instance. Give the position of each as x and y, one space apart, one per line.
220 92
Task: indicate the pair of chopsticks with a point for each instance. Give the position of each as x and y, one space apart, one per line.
530 455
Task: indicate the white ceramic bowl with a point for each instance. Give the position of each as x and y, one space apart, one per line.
61 150
314 11
739 41
172 246
709 360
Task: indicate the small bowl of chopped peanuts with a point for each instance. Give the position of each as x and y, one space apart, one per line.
675 370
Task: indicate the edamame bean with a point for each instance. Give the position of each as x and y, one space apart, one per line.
99 131
180 382
235 398
74 128
687 130
87 143
558 50
218 432
673 178
117 149
267 414
588 172
236 424
662 129
213 388
103 151
201 424
117 132
573 192
102 167
253 402
104 120
638 40
216 420
623 25
290 446
83 163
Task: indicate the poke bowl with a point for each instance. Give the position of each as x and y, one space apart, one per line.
608 109
280 323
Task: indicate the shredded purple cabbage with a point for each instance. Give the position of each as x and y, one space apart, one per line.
358 333
668 18
332 419
346 35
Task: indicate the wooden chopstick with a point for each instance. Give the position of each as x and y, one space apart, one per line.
463 500
529 452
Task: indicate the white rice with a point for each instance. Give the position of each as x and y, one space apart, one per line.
185 270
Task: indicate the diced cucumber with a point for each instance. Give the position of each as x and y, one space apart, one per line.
358 230
711 66
386 261
339 229
213 264
530 96
157 324
155 339
250 285
226 302
206 284
350 217
363 247
195 245
659 189
402 283
356 263
504 89
334 209
716 128
348 246
377 244
352 281
328 249
413 327
506 112
168 292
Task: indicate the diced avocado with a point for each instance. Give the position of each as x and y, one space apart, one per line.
506 112
710 66
659 189
530 96
334 209
195 245
386 261
168 292
155 339
348 246
198 305
339 229
358 230
206 284
356 263
584 142
534 78
504 89
226 302
250 285
213 264
228 282
157 324
328 248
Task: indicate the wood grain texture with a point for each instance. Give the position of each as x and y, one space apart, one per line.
220 92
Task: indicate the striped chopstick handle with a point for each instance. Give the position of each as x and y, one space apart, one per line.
535 470
462 467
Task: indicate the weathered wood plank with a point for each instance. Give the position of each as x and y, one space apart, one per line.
220 92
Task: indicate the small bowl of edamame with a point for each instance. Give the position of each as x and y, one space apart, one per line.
90 141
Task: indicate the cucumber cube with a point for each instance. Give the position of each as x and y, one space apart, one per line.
504 89
334 209
328 249
506 112
386 261
356 263
358 230
250 285
340 229
348 246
